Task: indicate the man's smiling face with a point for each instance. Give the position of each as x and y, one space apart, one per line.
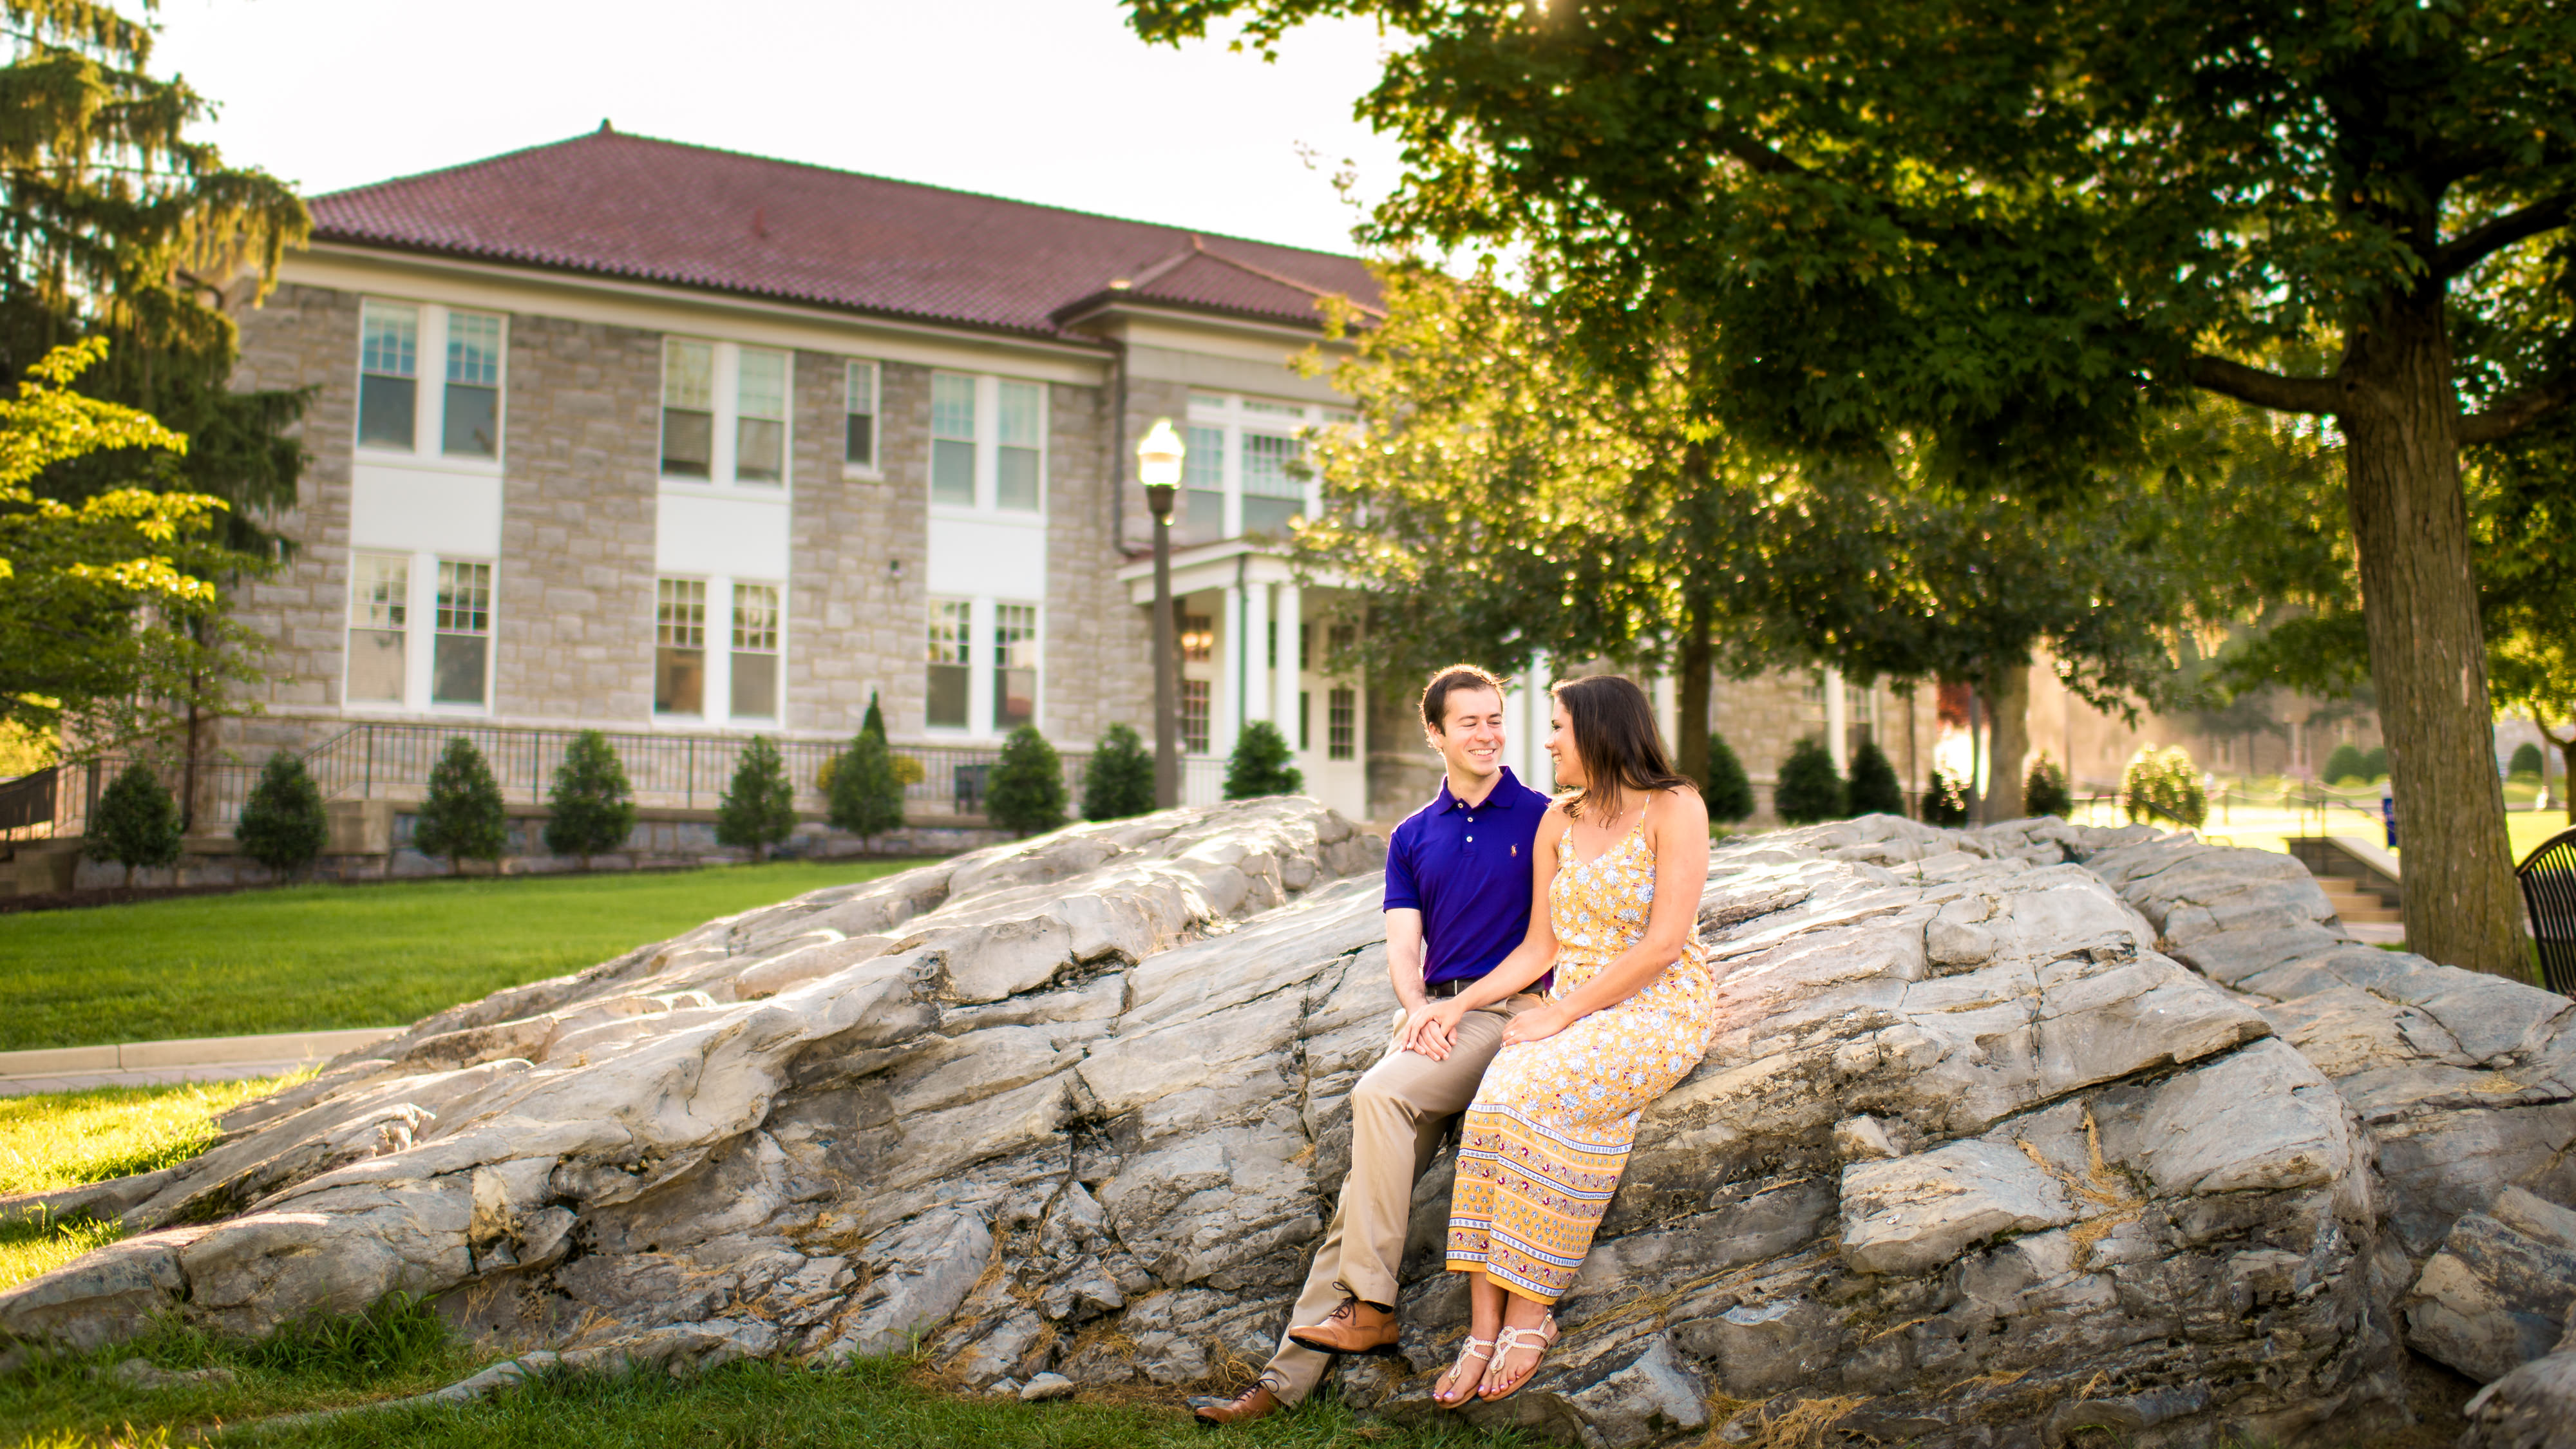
1470 737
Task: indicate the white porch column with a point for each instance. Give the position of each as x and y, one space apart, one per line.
1837 721
1668 712
1534 716
1226 707
1256 652
1291 616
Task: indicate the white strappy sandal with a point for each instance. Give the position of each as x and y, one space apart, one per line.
1511 1340
1480 1349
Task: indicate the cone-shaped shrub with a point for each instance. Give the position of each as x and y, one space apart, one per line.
1025 792
865 793
461 816
1810 789
283 825
1730 790
1260 764
2045 791
594 811
1120 781
136 823
759 809
1875 790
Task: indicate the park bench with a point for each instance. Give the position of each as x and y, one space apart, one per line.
2548 878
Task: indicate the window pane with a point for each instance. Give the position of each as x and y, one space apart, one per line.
474 349
1275 410
952 406
379 590
755 616
471 424
464 598
952 472
946 706
386 406
1270 515
376 665
1202 517
389 340
761 384
680 613
1015 661
688 443
456 669
950 621
1203 463
755 684
1266 457
859 440
1194 716
1341 725
1023 415
1198 638
759 450
1015 481
689 375
679 680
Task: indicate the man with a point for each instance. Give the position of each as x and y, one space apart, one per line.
1457 902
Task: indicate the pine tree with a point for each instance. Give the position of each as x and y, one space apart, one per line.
1259 765
1875 789
1945 803
866 795
137 822
462 817
1730 790
2045 792
1810 788
593 811
1025 792
759 810
874 723
283 825
1120 781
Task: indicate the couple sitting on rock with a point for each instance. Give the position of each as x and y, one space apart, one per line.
1550 1029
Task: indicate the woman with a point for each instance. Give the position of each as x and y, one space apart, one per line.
1620 861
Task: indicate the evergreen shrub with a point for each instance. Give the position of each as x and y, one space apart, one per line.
2347 762
1730 790
461 817
2526 760
594 811
759 809
1025 792
2045 791
2164 786
864 793
1120 781
136 823
2374 765
283 825
1810 788
1945 801
1874 789
1259 765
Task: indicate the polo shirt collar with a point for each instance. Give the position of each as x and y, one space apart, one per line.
1447 801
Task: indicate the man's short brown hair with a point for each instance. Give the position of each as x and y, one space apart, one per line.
1435 695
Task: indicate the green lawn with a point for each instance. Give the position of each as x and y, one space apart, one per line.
310 958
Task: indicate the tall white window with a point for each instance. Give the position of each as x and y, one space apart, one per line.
461 418
951 638
1203 476
680 646
1194 716
724 412
755 651
379 603
1342 724
987 443
1015 665
461 661
1245 473
859 418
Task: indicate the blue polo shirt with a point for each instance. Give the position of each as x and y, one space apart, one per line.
1467 870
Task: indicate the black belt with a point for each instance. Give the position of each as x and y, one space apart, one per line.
1449 988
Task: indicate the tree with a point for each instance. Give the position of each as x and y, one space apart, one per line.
2345 762
1944 803
2016 239
283 825
1025 793
1120 781
2526 760
864 796
2045 792
2164 785
1729 794
759 809
592 811
1874 788
1260 764
462 816
137 823
1809 788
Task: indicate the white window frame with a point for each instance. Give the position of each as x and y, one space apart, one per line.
429 393
420 635
988 451
1236 414
984 663
726 405
852 370
715 704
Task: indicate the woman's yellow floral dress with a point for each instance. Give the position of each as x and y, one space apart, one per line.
1553 1120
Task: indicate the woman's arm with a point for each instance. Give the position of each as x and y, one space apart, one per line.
1530 959
1677 827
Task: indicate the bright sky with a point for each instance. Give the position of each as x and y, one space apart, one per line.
1051 101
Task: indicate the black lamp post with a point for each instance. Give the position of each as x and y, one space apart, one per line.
1158 465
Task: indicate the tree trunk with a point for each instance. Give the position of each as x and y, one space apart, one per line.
2410 529
1697 663
2007 696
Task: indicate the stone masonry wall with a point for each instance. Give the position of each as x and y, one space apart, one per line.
854 624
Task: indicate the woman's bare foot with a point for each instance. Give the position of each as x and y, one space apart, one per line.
1529 1331
1460 1382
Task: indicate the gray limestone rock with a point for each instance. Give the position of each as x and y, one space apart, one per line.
2533 1407
2496 1295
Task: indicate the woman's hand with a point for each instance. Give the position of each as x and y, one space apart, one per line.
1537 1024
1432 1028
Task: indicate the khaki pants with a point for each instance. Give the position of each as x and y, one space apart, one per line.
1398 1112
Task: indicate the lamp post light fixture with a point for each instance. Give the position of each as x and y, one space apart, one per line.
1158 466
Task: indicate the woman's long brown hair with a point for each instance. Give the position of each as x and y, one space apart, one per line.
1614 737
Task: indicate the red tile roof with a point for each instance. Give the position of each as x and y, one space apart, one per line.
616 205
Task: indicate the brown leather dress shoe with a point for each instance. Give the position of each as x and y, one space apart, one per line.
1257 1403
1355 1327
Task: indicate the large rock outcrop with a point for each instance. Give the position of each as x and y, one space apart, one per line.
2007 1135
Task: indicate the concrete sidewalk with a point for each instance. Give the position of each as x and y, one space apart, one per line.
188 1059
